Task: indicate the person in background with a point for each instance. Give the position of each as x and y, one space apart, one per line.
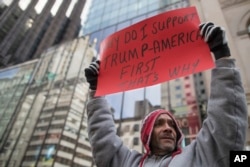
223 130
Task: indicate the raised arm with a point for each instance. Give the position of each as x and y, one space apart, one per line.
107 148
225 126
226 123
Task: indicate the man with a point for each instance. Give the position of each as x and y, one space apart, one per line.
223 130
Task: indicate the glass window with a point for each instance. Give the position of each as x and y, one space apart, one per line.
122 18
108 31
132 8
153 6
123 25
178 87
123 11
108 3
136 128
178 96
136 141
113 14
185 131
124 3
138 19
203 91
112 21
99 6
131 1
142 10
132 14
105 17
116 5
151 14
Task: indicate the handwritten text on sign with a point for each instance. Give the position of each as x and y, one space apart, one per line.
155 50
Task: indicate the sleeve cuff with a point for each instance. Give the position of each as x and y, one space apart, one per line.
225 62
92 94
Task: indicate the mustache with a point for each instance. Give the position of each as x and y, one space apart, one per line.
167 136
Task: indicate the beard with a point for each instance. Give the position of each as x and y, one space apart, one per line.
163 144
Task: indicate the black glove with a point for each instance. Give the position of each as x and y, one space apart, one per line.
216 39
91 74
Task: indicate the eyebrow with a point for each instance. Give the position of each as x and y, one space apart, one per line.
168 120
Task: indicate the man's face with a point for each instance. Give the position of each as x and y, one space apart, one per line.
163 138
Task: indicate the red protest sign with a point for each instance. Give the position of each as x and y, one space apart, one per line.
158 49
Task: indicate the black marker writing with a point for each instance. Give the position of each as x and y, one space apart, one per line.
144 35
130 35
175 40
171 22
142 80
138 69
183 69
120 57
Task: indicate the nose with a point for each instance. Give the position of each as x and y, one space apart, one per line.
167 128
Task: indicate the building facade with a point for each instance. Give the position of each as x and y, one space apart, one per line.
13 84
180 97
130 133
25 33
238 33
239 28
50 122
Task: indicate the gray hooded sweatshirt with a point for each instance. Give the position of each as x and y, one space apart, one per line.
223 130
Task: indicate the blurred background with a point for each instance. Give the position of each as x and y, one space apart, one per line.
45 46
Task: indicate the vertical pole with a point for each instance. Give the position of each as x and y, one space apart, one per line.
121 115
169 97
143 115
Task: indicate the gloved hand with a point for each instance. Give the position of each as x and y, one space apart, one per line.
216 39
91 74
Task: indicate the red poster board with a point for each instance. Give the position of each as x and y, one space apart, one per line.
158 49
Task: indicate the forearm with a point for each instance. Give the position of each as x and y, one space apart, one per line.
226 123
102 131
227 105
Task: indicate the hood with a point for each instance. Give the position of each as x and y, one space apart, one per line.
147 128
